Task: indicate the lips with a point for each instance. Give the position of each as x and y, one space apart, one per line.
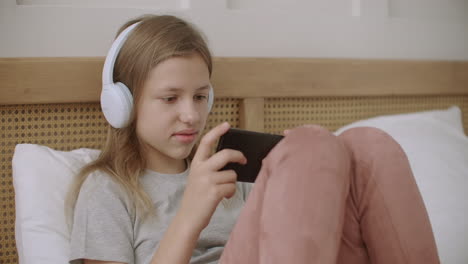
186 132
186 136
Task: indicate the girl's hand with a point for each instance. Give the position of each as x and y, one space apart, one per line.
206 185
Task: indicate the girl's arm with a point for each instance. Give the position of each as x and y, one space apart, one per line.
178 242
206 187
175 247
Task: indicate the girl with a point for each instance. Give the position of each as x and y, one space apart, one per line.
152 197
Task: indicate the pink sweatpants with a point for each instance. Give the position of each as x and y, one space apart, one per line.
325 199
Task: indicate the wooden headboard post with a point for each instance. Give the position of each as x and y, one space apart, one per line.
251 114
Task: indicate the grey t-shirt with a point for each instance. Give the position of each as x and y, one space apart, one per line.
106 226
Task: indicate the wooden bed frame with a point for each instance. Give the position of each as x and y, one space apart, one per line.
54 101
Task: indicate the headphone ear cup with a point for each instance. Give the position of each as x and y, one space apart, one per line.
210 99
117 104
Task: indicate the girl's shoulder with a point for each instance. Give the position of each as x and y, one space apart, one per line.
98 180
100 185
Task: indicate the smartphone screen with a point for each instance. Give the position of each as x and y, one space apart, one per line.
254 145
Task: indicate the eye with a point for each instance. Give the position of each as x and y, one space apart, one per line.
169 99
201 97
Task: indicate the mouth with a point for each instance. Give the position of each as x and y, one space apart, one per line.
186 137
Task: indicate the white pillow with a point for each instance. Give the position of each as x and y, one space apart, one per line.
41 177
437 150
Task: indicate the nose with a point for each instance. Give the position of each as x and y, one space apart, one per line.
189 112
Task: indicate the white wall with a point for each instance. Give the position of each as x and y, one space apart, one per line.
399 29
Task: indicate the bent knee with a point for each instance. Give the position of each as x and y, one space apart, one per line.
366 134
370 141
310 136
304 140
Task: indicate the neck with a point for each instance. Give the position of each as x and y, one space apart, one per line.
168 167
164 164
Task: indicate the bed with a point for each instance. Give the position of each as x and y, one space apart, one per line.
53 102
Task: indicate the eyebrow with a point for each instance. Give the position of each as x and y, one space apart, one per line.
175 89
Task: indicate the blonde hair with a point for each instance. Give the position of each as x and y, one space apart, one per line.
155 39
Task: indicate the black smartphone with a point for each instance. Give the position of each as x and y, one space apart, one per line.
254 145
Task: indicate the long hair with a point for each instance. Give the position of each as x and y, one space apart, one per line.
155 39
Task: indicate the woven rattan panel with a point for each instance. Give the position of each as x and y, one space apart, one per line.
335 112
224 109
63 127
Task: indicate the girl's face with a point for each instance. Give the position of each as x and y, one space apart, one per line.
172 111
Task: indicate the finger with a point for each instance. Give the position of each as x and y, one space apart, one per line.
223 157
227 190
227 176
208 141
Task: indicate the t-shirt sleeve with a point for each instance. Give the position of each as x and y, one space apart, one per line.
102 226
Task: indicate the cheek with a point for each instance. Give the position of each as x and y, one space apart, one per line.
203 112
148 118
143 117
148 110
153 119
205 119
204 115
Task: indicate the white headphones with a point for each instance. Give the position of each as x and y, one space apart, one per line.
116 99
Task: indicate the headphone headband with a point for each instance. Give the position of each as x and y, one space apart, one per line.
108 71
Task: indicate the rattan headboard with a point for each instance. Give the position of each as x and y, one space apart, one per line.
53 101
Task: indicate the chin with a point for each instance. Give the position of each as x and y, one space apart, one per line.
182 154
